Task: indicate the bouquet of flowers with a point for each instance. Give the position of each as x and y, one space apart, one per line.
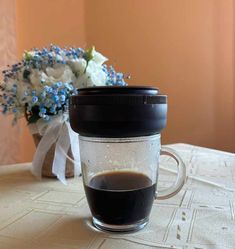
38 88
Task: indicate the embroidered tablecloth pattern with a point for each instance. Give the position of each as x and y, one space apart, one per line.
48 215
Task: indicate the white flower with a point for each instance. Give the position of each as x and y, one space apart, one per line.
98 57
9 84
93 76
23 94
35 78
58 73
78 65
97 77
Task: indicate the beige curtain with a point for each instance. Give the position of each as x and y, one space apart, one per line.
9 136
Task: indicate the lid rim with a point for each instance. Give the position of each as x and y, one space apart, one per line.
118 89
134 95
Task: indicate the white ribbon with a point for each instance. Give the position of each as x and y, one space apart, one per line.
58 131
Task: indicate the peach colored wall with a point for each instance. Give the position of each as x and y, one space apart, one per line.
185 47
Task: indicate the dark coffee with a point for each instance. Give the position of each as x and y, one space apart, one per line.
120 197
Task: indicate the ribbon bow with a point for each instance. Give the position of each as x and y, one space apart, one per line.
57 131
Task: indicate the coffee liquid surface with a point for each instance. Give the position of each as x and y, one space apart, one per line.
120 197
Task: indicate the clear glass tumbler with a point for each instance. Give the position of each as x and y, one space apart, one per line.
120 179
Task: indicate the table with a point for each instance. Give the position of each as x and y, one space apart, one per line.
48 215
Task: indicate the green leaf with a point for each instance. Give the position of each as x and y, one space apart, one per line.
33 119
33 115
26 74
89 54
28 56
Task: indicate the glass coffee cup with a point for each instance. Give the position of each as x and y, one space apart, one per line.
120 179
120 166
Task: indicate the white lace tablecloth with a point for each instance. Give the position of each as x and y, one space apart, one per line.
47 215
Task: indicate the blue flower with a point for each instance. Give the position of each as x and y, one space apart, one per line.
14 110
46 117
68 53
43 94
34 99
58 84
5 109
62 98
68 86
53 109
56 98
62 92
54 92
33 92
48 89
43 110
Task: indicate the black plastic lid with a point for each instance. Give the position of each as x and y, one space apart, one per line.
116 111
